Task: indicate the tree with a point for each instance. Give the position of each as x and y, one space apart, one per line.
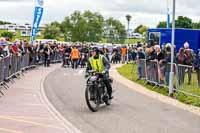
196 25
85 26
162 25
52 31
95 23
141 29
115 31
4 22
183 22
8 35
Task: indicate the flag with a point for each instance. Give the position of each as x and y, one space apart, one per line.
38 12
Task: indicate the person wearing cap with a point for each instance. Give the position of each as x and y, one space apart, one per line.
4 48
99 63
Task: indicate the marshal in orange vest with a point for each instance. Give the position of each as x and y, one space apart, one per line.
123 50
75 53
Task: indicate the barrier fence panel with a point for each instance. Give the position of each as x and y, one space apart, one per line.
142 69
10 66
188 80
1 71
13 65
152 72
155 73
6 67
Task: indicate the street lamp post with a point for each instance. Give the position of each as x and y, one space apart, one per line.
172 50
128 17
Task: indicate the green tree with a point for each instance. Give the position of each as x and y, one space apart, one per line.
141 29
85 26
4 22
196 25
162 25
115 31
183 22
52 31
95 23
7 34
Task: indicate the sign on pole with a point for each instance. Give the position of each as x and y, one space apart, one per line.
38 12
168 15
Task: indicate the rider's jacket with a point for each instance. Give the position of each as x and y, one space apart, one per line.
97 64
100 64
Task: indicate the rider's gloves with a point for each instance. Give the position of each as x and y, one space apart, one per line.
105 71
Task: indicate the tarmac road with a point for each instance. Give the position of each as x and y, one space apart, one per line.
130 111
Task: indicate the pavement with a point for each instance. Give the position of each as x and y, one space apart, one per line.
132 110
23 108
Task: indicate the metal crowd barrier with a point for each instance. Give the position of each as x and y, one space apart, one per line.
14 65
142 69
152 72
56 57
188 80
185 78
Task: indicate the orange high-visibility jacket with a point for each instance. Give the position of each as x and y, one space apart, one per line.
75 53
123 51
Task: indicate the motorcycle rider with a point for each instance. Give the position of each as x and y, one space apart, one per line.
99 63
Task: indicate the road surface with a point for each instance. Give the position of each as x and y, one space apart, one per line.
130 111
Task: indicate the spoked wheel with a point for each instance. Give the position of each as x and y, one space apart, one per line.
93 104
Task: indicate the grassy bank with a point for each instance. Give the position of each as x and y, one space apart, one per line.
129 71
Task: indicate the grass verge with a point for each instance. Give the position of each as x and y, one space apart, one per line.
129 71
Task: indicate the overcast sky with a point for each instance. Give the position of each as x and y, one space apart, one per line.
147 12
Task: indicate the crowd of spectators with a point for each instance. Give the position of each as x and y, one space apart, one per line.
185 59
37 51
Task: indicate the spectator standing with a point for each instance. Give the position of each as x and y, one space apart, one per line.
197 67
180 59
166 61
141 62
47 53
189 61
160 59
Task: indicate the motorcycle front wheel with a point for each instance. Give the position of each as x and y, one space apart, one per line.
93 104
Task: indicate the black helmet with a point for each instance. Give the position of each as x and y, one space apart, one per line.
95 49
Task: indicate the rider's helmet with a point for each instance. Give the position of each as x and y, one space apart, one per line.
96 49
